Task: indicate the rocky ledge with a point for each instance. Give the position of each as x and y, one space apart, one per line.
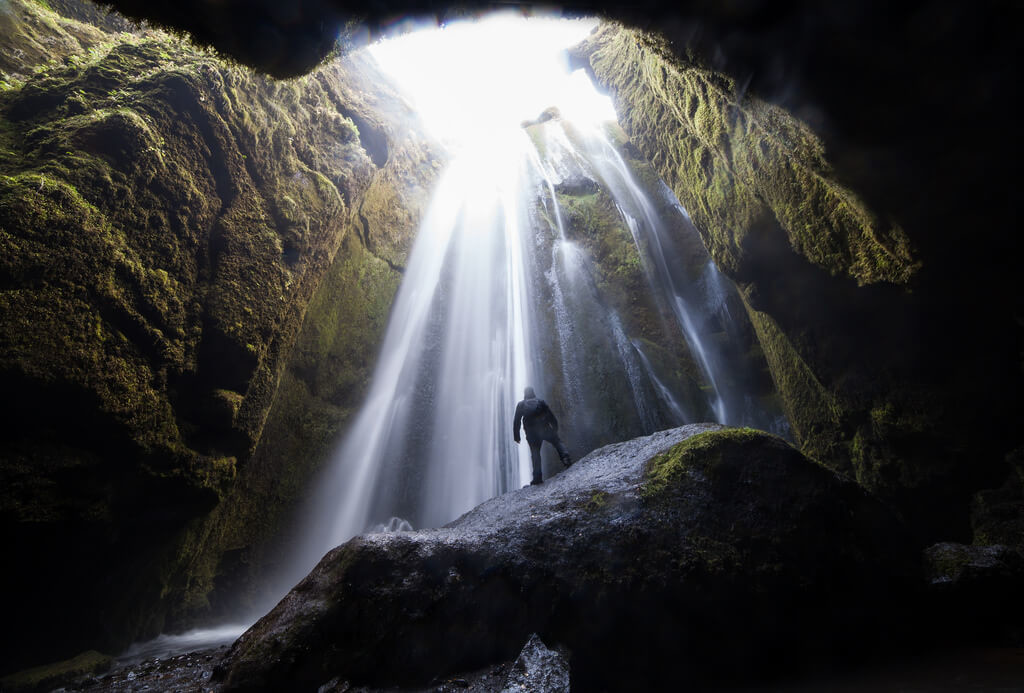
703 552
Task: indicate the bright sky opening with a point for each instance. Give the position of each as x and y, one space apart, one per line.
472 79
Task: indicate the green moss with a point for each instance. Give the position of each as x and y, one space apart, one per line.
165 221
326 378
774 216
812 410
697 454
598 500
736 161
997 514
51 676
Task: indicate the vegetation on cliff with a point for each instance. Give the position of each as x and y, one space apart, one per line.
739 164
166 220
868 374
179 239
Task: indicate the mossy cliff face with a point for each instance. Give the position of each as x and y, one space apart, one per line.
228 559
165 222
744 167
846 317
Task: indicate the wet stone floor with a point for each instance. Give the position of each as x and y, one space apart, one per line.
194 673
186 673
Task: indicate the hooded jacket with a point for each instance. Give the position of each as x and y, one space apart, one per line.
536 418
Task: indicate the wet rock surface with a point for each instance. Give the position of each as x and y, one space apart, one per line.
51 676
949 564
538 669
974 592
195 672
185 673
197 268
998 669
699 548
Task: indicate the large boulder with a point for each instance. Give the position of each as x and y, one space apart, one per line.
974 592
699 549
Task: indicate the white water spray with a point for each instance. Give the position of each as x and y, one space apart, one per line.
495 296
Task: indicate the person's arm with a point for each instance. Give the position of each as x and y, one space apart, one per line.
551 416
516 421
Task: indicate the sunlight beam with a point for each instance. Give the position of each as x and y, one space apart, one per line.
471 79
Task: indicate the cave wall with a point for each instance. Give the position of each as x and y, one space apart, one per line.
848 299
891 319
895 323
182 243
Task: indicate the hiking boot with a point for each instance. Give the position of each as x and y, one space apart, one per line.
536 482
567 461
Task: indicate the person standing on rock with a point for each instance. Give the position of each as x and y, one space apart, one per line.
540 424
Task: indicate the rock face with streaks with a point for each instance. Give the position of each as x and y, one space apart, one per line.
852 291
692 549
194 267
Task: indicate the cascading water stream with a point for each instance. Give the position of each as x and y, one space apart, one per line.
454 358
667 398
597 157
495 297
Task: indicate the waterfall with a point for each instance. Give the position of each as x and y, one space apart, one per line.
433 438
497 296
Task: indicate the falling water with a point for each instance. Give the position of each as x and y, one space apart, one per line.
496 297
431 440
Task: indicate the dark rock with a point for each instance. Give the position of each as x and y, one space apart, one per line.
949 564
335 685
188 673
975 592
727 551
538 669
577 186
189 303
547 114
997 514
50 676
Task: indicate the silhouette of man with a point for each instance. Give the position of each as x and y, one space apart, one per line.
540 424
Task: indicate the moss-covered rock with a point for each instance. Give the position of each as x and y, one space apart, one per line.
739 163
997 514
725 553
244 539
165 222
53 676
974 592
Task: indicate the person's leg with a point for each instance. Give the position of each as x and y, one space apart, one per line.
535 456
563 452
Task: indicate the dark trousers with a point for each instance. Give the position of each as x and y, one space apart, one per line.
563 452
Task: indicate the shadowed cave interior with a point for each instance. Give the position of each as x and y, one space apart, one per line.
208 212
